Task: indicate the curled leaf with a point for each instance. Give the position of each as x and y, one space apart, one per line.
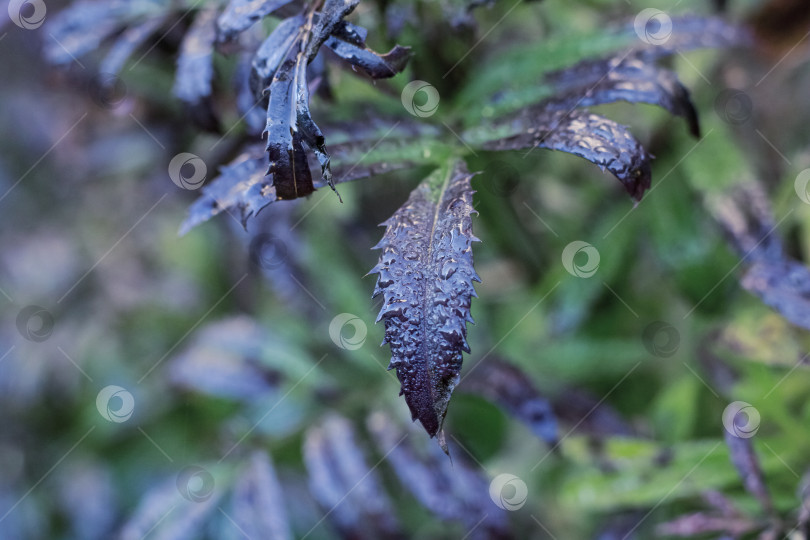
239 15
242 185
349 42
425 276
595 138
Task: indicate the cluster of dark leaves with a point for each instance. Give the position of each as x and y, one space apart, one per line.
426 268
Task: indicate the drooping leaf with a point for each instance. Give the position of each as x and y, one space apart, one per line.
272 52
242 185
239 15
257 504
453 491
780 281
595 138
426 278
84 25
349 42
195 69
344 484
127 43
510 388
746 462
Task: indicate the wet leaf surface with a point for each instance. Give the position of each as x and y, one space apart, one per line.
239 15
426 278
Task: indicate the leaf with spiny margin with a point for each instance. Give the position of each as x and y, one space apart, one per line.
239 15
596 138
510 388
242 184
195 69
349 42
426 278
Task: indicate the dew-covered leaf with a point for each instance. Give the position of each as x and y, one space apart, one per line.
241 185
257 504
345 485
426 278
239 15
349 42
454 491
596 138
511 389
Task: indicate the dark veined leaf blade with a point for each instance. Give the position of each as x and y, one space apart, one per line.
426 278
349 42
242 184
599 140
239 15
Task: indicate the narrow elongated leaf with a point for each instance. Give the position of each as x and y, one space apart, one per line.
510 388
345 485
195 69
126 44
425 276
242 185
349 42
595 138
239 15
258 501
453 491
272 52
329 18
288 160
746 462
84 25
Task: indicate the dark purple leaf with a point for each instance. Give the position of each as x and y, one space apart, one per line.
239 15
510 388
349 42
257 504
630 79
272 52
453 491
595 138
344 484
127 43
746 462
425 276
588 414
195 69
242 185
329 18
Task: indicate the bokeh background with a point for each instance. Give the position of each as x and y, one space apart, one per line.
188 387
